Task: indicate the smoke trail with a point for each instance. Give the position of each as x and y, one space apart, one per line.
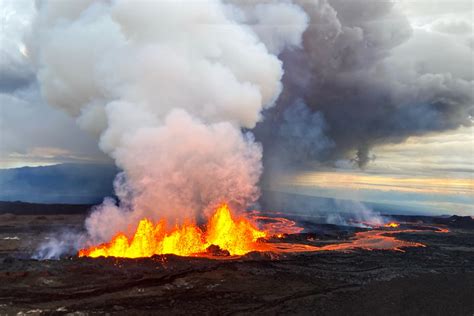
65 242
166 86
374 79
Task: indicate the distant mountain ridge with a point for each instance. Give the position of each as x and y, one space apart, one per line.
63 183
24 208
310 204
88 184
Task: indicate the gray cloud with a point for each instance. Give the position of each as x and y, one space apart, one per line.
430 8
453 26
16 70
32 131
14 73
298 136
373 78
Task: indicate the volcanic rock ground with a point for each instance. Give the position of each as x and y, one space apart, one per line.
434 280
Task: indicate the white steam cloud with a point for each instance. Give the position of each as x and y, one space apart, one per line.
166 86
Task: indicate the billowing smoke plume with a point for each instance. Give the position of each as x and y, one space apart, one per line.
371 78
166 86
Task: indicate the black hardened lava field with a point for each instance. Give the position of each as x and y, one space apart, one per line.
434 279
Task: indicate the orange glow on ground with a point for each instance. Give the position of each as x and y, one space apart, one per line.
276 226
368 240
375 240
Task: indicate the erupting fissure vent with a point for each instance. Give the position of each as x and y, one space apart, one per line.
237 236
392 225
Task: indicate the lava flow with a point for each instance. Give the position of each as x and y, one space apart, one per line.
236 236
276 226
226 235
374 240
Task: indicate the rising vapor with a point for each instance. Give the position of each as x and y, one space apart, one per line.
176 90
167 87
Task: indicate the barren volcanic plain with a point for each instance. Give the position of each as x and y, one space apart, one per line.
437 279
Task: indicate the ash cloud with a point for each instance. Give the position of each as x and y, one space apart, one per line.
373 78
298 136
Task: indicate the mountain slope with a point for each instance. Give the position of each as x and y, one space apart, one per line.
64 183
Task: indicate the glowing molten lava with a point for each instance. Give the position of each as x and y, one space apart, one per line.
276 226
237 236
226 235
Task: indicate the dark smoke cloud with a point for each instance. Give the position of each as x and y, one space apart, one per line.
14 75
370 79
299 136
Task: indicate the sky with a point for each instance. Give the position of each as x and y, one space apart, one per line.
432 174
433 171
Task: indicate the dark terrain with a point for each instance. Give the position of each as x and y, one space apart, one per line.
434 280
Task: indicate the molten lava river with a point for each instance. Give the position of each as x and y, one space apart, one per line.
226 235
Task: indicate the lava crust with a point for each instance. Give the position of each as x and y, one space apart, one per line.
437 279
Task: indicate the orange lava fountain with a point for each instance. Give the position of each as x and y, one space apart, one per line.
237 236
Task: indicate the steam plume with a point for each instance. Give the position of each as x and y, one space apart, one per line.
166 86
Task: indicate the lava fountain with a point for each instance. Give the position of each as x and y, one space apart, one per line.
225 234
238 236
